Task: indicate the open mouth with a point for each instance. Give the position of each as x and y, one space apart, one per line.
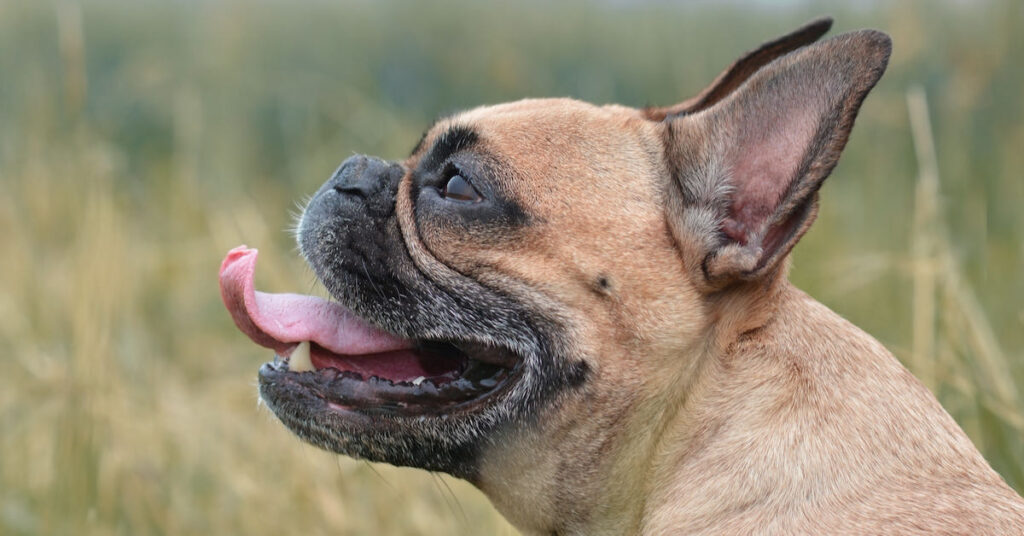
350 364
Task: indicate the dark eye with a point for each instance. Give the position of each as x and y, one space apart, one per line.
460 189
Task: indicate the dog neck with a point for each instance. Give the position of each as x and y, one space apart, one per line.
784 409
631 431
802 409
662 429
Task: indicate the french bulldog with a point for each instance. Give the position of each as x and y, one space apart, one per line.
584 311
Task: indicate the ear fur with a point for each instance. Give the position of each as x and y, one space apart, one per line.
748 168
744 67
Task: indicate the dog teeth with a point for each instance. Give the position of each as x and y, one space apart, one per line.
418 380
299 361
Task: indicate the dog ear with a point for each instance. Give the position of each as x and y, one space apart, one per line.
743 68
748 168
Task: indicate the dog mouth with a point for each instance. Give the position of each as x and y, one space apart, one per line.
329 352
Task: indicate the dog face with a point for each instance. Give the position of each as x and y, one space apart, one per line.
514 257
558 269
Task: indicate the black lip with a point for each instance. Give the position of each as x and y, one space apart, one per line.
479 383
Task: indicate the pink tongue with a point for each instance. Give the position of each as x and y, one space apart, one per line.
278 321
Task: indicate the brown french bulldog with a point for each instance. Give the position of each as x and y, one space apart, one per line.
584 311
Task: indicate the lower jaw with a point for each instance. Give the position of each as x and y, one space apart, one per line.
350 393
449 444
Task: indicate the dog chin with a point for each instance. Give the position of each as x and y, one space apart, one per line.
432 424
434 421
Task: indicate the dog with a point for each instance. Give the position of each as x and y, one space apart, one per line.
584 311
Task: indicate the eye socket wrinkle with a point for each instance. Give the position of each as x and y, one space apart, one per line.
451 141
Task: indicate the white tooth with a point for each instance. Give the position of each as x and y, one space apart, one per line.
418 381
299 361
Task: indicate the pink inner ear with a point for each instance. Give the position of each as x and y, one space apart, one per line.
764 160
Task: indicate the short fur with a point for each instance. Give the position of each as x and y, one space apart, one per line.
672 381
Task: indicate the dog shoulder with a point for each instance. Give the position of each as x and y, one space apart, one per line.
858 427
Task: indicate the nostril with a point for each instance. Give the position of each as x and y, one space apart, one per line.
353 187
360 177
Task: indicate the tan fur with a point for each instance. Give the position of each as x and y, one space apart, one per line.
745 408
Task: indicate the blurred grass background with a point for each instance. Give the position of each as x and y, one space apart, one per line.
139 141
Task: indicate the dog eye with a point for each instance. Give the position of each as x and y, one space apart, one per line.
460 189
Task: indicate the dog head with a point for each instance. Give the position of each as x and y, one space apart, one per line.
540 278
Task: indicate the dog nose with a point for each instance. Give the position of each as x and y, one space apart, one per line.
361 176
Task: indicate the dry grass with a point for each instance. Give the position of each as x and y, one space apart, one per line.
936 278
138 144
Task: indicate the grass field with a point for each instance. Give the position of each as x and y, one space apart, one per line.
139 141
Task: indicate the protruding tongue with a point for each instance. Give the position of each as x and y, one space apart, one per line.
279 321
